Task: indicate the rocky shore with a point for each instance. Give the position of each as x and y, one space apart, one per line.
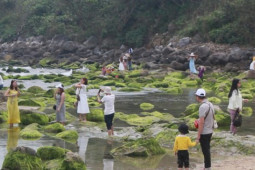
161 52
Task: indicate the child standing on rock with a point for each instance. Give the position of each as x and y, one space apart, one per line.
181 146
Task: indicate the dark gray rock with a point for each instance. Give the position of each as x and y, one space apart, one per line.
91 42
69 46
218 59
177 66
167 50
184 42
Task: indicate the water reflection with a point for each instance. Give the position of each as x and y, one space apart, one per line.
82 145
108 161
13 137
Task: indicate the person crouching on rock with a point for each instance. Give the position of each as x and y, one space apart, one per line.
181 146
60 104
109 109
12 103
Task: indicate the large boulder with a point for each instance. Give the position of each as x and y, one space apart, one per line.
251 74
28 117
177 66
184 42
139 148
69 46
218 58
22 158
51 152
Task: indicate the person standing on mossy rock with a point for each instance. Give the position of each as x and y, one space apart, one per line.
60 105
109 108
192 58
82 99
206 123
12 103
235 102
121 65
252 65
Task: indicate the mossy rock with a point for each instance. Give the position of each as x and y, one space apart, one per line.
31 132
178 75
68 134
3 116
35 89
192 108
54 128
134 119
222 119
96 115
173 90
28 102
17 160
247 96
136 73
28 117
191 125
189 83
247 111
45 62
146 106
135 85
49 93
214 100
161 85
130 89
139 148
161 116
166 137
51 152
120 85
108 83
72 162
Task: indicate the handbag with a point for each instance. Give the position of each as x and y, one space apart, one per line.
77 99
54 107
237 121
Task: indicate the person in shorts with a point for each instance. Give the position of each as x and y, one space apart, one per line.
109 109
181 146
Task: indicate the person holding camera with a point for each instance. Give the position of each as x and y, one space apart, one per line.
82 100
109 108
12 103
60 104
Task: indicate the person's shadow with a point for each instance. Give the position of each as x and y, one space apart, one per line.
13 137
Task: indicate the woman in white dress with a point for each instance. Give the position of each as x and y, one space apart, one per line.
121 65
83 107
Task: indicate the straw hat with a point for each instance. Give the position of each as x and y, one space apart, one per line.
60 86
192 55
108 90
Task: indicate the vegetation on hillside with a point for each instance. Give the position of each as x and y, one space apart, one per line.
131 22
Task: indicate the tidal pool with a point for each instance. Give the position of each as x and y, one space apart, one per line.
95 151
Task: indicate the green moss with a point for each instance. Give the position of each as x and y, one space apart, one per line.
49 93
3 116
17 160
247 111
166 137
95 115
30 132
73 163
120 84
173 90
139 148
54 128
161 85
28 102
214 100
247 96
146 106
130 89
135 73
178 75
28 117
189 83
222 119
190 124
68 134
35 89
45 62
135 85
53 164
161 116
191 109
108 83
51 152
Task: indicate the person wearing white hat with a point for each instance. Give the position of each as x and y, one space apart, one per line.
109 108
205 128
192 57
60 103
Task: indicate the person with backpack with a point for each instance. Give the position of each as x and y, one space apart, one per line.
235 103
206 123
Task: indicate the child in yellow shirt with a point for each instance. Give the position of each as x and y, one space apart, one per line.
181 146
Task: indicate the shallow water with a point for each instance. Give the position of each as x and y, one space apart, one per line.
95 151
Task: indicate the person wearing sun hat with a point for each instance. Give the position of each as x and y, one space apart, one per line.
252 65
181 146
192 57
205 128
60 103
109 109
